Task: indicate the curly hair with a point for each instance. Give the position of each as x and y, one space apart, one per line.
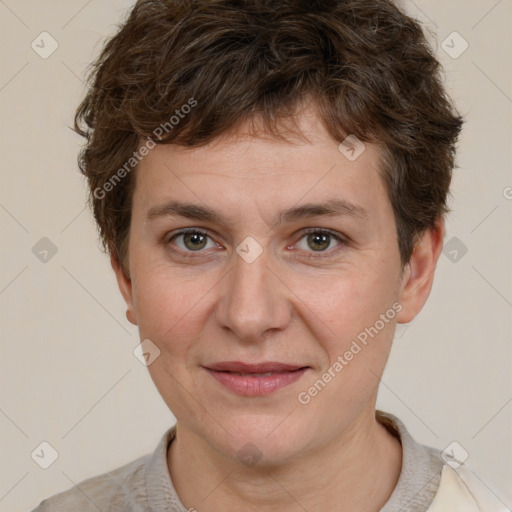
366 65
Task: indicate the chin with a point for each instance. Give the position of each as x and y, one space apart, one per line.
261 440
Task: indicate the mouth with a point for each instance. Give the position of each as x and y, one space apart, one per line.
259 379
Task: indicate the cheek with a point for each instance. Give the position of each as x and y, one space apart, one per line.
167 306
361 321
361 315
168 310
352 303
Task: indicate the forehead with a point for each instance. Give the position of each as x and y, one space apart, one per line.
241 170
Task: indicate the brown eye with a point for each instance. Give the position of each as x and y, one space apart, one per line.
191 241
194 241
320 241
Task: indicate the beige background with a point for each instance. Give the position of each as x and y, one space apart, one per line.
68 373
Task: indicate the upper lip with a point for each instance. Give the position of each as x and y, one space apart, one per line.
265 367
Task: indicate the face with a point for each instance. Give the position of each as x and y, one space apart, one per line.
253 255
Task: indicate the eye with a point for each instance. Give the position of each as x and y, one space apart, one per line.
319 241
192 240
315 241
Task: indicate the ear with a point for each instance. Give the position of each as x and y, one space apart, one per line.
418 274
125 287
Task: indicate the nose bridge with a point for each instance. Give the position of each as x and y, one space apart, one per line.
253 300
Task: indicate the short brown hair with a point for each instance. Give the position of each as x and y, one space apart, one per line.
366 65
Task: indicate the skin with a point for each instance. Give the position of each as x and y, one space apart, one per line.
330 454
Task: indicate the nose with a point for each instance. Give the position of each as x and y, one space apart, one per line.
254 301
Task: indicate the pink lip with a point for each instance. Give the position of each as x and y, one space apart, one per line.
238 366
255 385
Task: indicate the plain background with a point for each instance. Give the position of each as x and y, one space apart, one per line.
68 373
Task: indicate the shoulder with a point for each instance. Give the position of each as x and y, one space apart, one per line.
118 490
461 489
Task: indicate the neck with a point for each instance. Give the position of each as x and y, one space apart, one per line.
366 460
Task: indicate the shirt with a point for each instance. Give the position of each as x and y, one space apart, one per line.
426 483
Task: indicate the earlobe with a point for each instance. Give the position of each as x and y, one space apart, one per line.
124 283
418 274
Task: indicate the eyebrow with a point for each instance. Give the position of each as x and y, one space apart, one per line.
331 207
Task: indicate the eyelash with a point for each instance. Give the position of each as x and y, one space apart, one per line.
342 241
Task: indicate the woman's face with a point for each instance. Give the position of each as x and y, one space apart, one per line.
251 285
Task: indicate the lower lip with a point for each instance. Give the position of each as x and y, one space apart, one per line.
256 386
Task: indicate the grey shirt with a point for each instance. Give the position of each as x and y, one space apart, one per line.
145 485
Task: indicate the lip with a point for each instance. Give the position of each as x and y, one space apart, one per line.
252 382
238 366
